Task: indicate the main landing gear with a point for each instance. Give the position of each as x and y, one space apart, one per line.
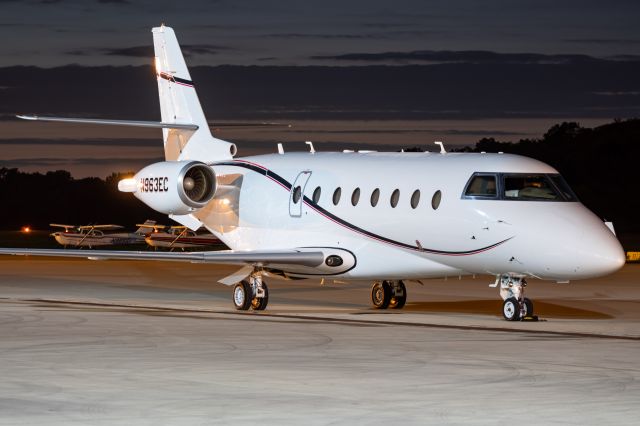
251 293
515 306
388 294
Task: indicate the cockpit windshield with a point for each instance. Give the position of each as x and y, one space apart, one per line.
519 187
529 187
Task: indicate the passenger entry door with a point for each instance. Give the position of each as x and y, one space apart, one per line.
296 196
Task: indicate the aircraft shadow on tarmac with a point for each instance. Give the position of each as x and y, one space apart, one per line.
489 307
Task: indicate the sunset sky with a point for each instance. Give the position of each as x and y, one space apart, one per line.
432 70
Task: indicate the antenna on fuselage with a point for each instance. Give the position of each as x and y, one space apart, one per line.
311 148
280 149
442 150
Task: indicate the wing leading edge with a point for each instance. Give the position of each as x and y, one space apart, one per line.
309 258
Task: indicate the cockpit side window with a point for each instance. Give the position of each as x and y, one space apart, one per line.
563 187
482 185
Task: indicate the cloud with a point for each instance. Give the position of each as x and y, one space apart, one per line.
604 41
355 36
461 57
624 58
65 161
146 51
452 90
319 36
629 93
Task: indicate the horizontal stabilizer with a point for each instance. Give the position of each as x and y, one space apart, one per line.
150 124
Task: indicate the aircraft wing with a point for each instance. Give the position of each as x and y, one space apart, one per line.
102 227
60 225
299 257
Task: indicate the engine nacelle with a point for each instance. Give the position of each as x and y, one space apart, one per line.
173 187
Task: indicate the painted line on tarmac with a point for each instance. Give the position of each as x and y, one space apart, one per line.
253 314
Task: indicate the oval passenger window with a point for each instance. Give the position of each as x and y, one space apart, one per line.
375 196
336 196
355 197
395 196
316 195
435 201
415 198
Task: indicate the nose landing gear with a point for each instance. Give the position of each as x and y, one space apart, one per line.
515 306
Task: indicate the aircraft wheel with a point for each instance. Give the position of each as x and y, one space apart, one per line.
528 307
260 303
398 301
242 296
511 309
381 295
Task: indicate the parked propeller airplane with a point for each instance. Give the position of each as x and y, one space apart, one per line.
181 237
94 235
385 217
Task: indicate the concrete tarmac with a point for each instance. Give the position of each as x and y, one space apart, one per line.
111 342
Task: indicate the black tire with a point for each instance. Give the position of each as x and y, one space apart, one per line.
242 296
528 307
398 301
511 309
381 295
260 303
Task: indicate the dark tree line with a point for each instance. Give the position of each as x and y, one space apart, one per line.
601 164
37 200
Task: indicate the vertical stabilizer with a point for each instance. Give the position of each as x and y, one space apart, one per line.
179 104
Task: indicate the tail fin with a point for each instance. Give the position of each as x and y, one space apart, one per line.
179 104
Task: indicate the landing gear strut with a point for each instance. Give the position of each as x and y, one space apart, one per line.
515 306
388 294
251 293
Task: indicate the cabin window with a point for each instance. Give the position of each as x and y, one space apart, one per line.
355 197
375 196
395 196
435 200
336 196
316 195
530 187
415 198
482 186
297 193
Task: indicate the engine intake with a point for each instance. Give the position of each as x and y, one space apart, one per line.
196 184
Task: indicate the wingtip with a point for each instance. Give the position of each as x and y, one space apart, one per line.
27 117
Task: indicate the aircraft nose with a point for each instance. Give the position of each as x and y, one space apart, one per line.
602 254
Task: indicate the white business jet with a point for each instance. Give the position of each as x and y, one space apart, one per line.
385 217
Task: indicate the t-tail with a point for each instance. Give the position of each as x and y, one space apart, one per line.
179 104
185 130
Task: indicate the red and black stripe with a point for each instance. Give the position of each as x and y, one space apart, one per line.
332 217
174 79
